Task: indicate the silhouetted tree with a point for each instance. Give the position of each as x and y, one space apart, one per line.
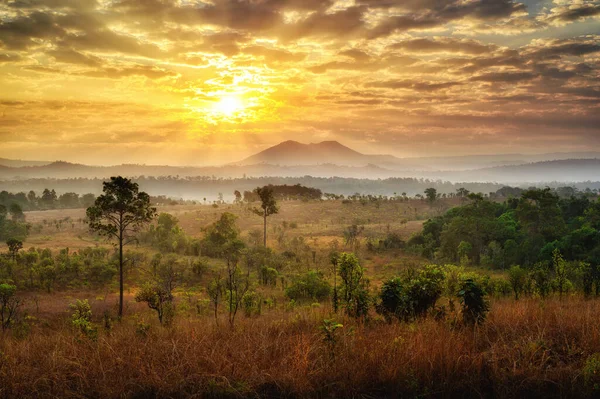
267 208
119 214
14 246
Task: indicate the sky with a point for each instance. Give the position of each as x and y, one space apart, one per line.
189 82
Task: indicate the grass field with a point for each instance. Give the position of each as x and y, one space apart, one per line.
526 348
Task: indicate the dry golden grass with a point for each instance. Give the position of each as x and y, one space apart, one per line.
525 349
320 221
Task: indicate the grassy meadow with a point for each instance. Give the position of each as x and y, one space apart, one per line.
532 347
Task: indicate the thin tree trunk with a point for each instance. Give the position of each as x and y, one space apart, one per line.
265 228
120 274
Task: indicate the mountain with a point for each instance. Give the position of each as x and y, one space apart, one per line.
17 163
562 170
293 153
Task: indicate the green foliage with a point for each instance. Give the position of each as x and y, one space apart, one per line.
517 276
268 206
119 214
329 333
591 372
220 235
310 286
474 305
561 281
354 289
413 295
391 297
81 319
167 236
431 194
14 246
252 304
158 299
268 276
9 305
542 279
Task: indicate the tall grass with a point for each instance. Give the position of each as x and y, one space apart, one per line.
526 348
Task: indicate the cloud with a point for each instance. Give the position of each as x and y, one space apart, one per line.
70 56
377 69
411 85
442 45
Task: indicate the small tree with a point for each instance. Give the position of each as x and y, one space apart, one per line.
431 194
237 282
119 214
561 273
517 276
9 305
267 208
215 292
391 297
474 305
14 246
354 287
81 318
334 259
157 299
540 276
16 212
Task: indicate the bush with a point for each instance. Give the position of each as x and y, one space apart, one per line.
541 278
157 299
310 286
81 319
391 297
591 372
9 305
518 280
474 304
251 304
412 296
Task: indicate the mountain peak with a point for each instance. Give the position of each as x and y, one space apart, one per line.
291 153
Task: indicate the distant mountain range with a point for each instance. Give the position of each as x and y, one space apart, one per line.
17 163
330 158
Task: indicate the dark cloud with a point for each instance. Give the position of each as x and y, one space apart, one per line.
139 70
412 85
18 34
356 54
364 64
442 44
428 14
70 56
504 77
574 13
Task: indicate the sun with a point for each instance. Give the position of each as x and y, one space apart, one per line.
229 105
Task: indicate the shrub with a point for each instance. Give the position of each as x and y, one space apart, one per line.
9 305
268 276
518 280
591 372
81 319
309 286
157 299
423 291
391 296
412 296
474 304
541 278
251 303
